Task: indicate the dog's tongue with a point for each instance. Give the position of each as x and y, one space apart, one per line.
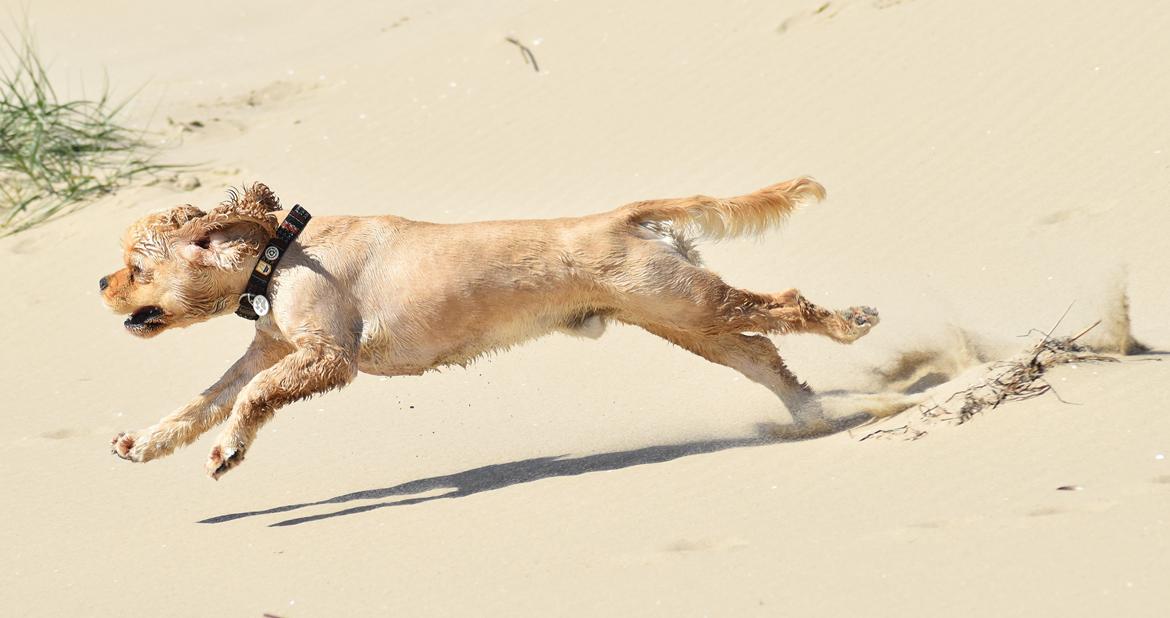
144 315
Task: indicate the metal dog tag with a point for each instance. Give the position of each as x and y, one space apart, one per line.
260 305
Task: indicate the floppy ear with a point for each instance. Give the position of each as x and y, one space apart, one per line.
149 235
232 231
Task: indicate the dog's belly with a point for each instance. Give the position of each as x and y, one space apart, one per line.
383 353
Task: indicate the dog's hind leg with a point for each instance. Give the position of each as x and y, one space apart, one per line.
203 412
660 287
798 315
314 367
756 357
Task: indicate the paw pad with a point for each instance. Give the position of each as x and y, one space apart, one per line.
864 315
857 322
223 459
121 445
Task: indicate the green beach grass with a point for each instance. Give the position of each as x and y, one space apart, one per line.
58 155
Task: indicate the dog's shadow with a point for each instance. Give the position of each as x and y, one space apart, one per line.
498 476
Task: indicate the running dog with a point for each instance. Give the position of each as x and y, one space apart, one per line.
395 297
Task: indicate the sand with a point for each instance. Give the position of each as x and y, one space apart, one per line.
989 165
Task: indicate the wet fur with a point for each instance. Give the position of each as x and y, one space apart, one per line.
390 296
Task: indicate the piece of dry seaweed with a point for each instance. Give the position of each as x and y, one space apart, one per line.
1014 380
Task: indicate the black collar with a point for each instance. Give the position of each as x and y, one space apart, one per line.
254 302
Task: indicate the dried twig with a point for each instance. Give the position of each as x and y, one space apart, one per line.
529 58
905 432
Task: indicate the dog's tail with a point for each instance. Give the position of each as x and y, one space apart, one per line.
718 218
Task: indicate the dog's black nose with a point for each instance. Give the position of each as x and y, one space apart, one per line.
103 283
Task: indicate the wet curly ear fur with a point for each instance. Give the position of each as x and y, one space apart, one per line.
232 231
176 217
256 205
149 235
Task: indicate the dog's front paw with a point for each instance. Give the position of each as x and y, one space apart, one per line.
222 459
128 445
856 323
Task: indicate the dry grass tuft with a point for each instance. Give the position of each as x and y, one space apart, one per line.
1014 380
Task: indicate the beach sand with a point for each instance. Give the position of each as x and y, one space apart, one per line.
990 165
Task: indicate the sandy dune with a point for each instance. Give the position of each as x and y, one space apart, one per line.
989 164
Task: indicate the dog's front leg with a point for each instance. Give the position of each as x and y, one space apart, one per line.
316 366
203 412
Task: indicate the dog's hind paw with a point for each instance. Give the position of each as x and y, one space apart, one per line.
856 322
223 459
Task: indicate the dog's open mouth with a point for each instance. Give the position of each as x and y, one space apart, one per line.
146 319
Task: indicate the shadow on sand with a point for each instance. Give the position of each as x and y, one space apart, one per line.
498 476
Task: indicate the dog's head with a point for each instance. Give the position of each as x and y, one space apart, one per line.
185 266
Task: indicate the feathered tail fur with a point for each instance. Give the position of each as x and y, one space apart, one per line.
717 218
